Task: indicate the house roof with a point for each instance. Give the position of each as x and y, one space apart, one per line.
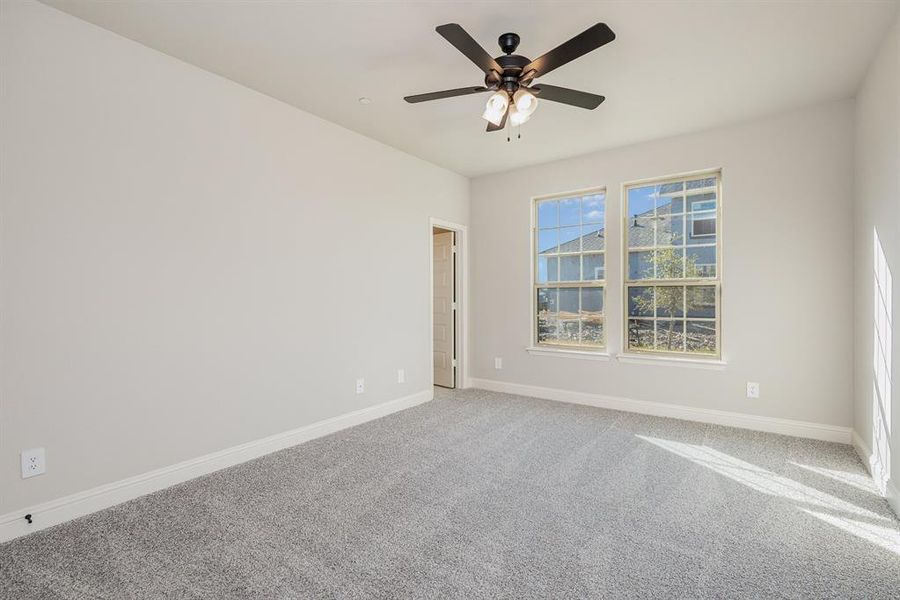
640 232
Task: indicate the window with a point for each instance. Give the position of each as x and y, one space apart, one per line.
570 270
673 258
703 211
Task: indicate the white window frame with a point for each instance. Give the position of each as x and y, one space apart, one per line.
574 350
716 281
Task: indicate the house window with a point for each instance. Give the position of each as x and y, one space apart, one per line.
703 213
570 270
673 266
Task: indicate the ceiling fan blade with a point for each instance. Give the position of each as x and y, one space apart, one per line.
445 94
492 127
567 96
581 44
464 42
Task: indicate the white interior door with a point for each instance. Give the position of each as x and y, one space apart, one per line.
444 310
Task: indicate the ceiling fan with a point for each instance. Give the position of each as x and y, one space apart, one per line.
510 77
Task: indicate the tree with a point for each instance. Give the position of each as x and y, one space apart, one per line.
669 301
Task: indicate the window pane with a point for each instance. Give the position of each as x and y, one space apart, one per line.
569 302
641 201
570 239
547 213
701 337
548 327
670 204
570 268
641 231
547 317
547 241
592 238
569 330
592 330
670 335
568 315
592 267
570 212
703 227
668 188
701 262
547 269
593 209
640 334
669 263
548 300
701 183
592 316
701 301
670 231
670 301
699 202
640 265
640 301
591 301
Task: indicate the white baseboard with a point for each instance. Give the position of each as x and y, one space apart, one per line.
891 493
54 512
893 496
817 431
864 452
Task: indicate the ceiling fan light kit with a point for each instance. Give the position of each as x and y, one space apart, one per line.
496 107
524 105
510 77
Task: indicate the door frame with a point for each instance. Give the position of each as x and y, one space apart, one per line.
461 283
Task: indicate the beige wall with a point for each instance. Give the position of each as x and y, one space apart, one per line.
788 260
877 212
187 264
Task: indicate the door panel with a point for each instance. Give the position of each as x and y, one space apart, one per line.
444 314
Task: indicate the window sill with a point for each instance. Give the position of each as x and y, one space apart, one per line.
673 361
567 353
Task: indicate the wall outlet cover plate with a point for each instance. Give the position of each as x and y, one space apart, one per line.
34 462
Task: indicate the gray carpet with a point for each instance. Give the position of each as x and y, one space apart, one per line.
480 494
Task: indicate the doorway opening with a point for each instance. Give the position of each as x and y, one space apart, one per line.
447 331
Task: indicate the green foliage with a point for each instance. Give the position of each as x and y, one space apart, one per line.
668 301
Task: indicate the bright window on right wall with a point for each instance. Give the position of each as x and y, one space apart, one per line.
673 256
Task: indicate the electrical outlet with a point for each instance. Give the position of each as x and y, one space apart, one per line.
752 389
34 462
360 385
498 363
401 376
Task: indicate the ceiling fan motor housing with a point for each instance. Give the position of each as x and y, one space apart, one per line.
508 42
512 65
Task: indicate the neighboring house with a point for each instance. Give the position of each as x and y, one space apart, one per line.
699 239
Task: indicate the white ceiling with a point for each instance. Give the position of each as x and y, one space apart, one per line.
674 67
